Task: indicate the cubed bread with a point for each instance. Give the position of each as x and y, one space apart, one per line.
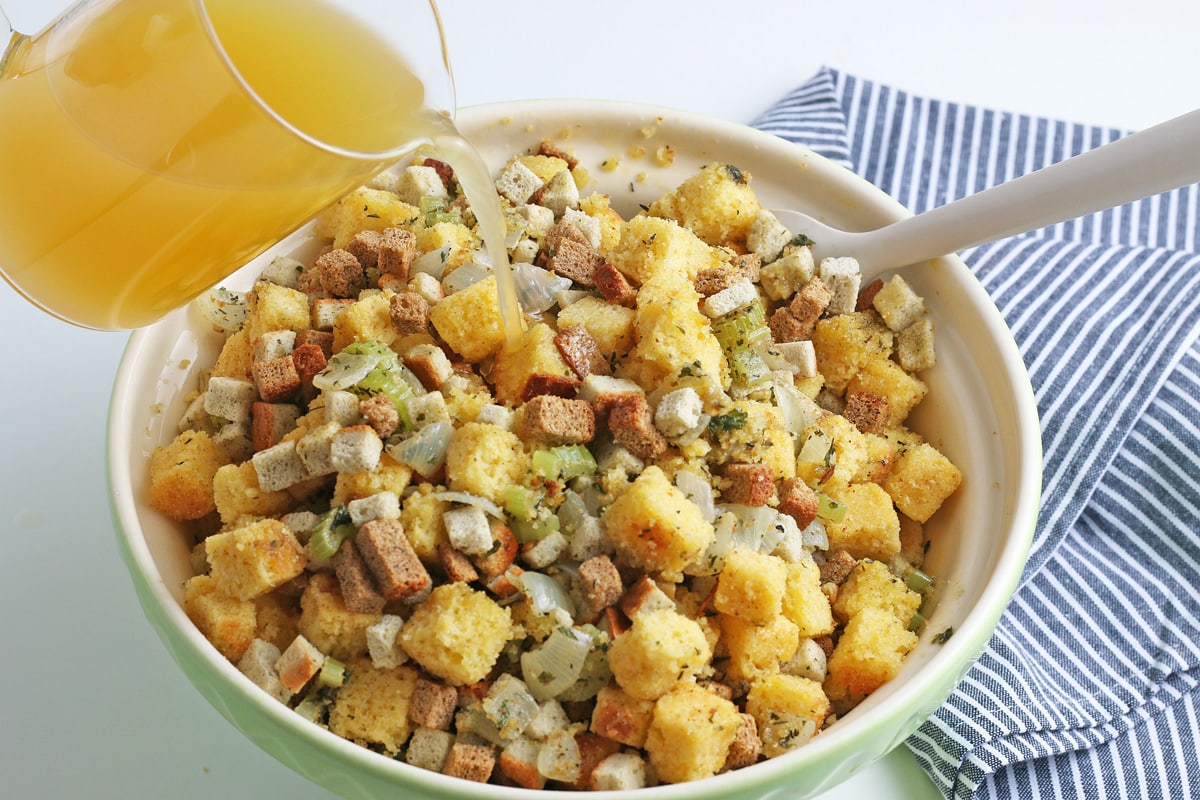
920 480
251 560
870 527
717 203
660 649
368 319
371 709
672 333
469 320
366 209
691 732
803 601
485 460
226 621
751 586
535 354
871 584
181 476
868 654
788 709
844 343
622 717
887 379
654 526
237 494
612 326
329 624
457 633
757 650
271 307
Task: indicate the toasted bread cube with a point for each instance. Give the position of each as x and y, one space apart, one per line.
230 398
485 460
751 586
393 562
433 704
786 275
298 664
559 194
898 304
422 518
915 348
660 649
868 412
612 326
270 422
843 277
428 748
717 203
366 209
254 559
920 480
326 621
355 449
617 771
690 734
472 762
788 710
469 320
389 475
225 620
803 601
622 717
654 526
519 763
738 295
468 530
457 634
359 592
846 342
645 595
258 664
868 654
237 494
518 183
417 182
767 236
599 583
368 319
872 585
384 649
748 484
535 353
279 467
271 307
757 650
371 708
746 746
870 528
887 379
181 476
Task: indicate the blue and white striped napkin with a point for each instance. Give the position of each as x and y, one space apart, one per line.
1090 686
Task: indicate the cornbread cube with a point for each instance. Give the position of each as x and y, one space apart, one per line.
920 480
366 209
762 439
788 709
659 650
367 319
654 526
455 240
388 476
846 342
622 717
371 709
887 379
803 601
277 619
914 346
850 451
271 307
485 460
716 203
612 326
751 586
757 650
457 633
898 304
428 748
534 354
181 476
226 621
690 734
469 320
868 654
654 247
326 621
235 358
672 333
258 664
254 559
421 517
872 585
870 528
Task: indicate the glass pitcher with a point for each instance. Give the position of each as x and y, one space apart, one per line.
149 148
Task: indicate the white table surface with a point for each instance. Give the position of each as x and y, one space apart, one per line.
93 705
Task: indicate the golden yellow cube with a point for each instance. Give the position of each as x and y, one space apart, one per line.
921 479
254 559
868 654
757 650
457 633
803 601
534 354
181 476
368 319
870 528
371 709
226 621
661 648
845 342
690 734
751 586
716 203
788 709
485 460
469 320
326 622
654 526
886 378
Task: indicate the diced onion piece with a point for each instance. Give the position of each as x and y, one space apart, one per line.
223 308
466 275
537 288
797 414
698 490
345 370
545 594
817 448
424 451
555 664
432 263
756 527
510 706
573 511
559 758
468 499
712 559
815 535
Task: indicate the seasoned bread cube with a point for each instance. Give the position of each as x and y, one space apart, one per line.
843 277
230 398
612 326
803 601
327 622
366 209
652 247
691 732
355 449
433 704
359 592
654 526
914 346
298 664
756 650
621 717
746 747
786 275
383 648
868 654
371 709
898 304
428 748
518 183
271 307
237 494
788 709
181 476
535 354
920 480
457 633
846 342
279 466
870 528
368 319
887 379
751 586
660 649
485 460
225 620
872 585
419 181
767 236
398 571
469 320
254 559
472 762
617 771
716 202
258 664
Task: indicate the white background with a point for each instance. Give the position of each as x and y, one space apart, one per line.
92 704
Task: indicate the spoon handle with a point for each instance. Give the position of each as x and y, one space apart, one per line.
1154 160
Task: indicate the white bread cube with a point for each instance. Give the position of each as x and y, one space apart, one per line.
560 193
382 642
767 236
538 219
518 183
844 278
468 530
416 182
283 271
678 412
381 505
355 449
274 344
341 407
315 449
230 398
258 664
730 299
786 275
586 224
497 415
279 467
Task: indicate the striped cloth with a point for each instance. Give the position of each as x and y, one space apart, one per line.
1089 687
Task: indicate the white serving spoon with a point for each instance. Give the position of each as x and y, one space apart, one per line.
1155 160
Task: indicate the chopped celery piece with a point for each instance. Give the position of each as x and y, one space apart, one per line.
333 672
916 623
331 530
747 369
312 707
521 503
436 210
742 329
564 462
531 530
830 509
918 581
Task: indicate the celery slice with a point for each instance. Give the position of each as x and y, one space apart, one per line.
830 509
